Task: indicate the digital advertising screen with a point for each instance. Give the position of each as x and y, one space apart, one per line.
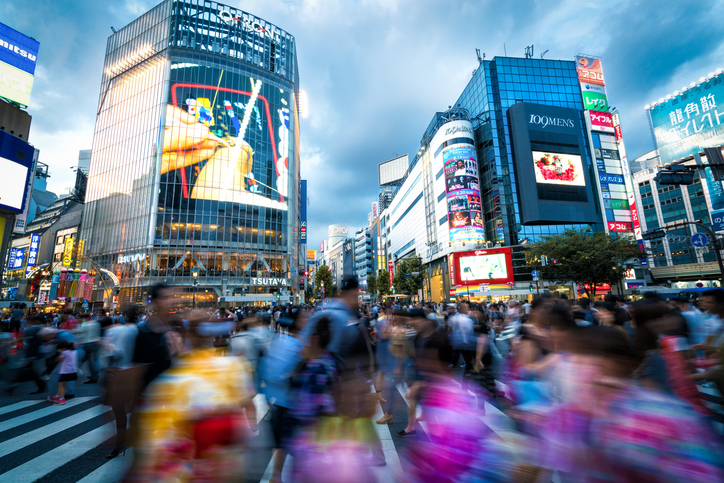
559 169
18 56
484 266
690 121
465 218
227 139
12 193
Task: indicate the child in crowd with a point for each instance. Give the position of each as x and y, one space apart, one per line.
68 370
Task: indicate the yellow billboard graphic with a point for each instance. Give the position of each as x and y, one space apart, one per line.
68 252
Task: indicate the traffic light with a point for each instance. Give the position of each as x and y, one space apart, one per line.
715 158
306 273
530 287
278 295
653 235
675 174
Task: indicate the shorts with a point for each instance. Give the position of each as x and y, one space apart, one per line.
68 377
282 426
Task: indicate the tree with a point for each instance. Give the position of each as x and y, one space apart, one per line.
309 293
586 257
383 285
404 281
372 284
324 279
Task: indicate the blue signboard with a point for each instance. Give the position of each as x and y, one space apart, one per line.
699 240
611 178
690 121
19 257
32 253
303 211
717 220
13 256
18 50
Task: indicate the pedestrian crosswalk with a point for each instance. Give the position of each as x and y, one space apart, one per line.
40 442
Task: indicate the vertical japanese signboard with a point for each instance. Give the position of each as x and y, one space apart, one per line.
303 212
68 252
32 253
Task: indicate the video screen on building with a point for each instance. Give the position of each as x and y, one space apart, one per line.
483 267
465 218
12 192
18 56
227 139
558 169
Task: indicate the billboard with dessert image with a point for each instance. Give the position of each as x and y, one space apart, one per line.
226 139
557 168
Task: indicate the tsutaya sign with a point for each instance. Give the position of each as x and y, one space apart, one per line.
277 282
131 258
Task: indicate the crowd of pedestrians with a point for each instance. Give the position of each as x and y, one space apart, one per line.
609 390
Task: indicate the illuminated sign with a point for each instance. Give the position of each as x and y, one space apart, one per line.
619 226
18 259
12 193
264 282
390 268
303 211
32 253
131 258
465 219
11 259
611 178
589 70
545 121
334 230
375 208
68 252
492 266
311 254
601 121
456 129
247 24
18 56
560 169
690 121
594 101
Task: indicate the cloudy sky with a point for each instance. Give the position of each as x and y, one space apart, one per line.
376 71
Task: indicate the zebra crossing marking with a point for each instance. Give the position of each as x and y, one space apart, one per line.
26 439
17 406
41 413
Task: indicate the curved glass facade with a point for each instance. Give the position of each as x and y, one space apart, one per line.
196 157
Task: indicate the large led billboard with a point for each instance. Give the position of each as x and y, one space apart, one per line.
557 168
18 56
16 165
227 139
492 266
690 121
552 170
465 218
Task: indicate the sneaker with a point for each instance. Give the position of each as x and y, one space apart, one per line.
69 396
59 402
53 399
404 434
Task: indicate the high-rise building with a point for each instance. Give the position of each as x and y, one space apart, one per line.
194 172
363 255
529 149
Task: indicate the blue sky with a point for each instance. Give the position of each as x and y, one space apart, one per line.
377 70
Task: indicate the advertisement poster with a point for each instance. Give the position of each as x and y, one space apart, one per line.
560 169
589 70
18 57
68 252
483 267
594 101
32 253
465 218
601 121
690 121
17 260
227 139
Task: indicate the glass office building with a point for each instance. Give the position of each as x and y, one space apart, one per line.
497 85
195 160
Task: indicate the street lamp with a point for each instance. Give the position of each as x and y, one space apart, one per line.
195 274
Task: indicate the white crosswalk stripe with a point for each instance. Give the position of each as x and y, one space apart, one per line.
25 458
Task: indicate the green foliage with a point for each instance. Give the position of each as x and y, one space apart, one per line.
405 282
372 284
308 293
324 278
383 284
586 257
